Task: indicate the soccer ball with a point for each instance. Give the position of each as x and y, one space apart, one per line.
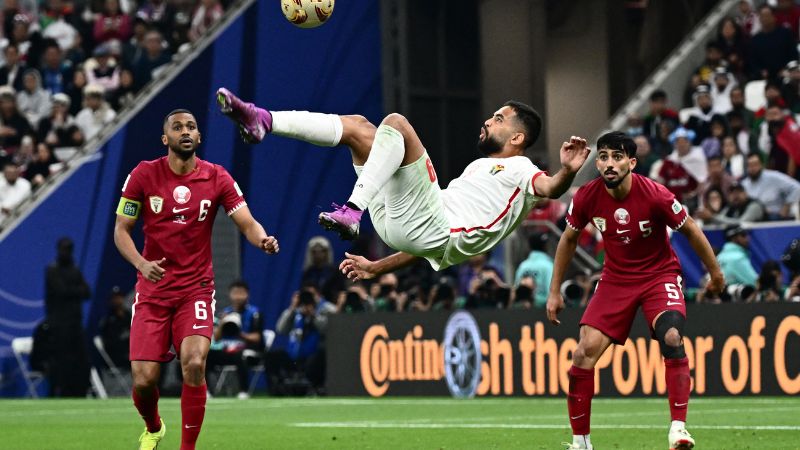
307 13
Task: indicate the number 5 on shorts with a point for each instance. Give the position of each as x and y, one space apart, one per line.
672 291
200 310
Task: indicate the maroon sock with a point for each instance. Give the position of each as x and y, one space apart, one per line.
147 405
579 400
193 409
678 384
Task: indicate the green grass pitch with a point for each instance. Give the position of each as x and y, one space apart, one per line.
412 423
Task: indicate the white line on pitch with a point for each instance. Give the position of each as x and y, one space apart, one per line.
534 426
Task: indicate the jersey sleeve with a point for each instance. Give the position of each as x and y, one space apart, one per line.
130 203
670 209
530 177
231 197
577 217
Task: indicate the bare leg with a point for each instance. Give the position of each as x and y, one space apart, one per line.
591 346
145 376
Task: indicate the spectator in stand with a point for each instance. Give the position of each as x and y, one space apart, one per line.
56 72
115 329
714 59
724 82
65 291
354 300
771 48
133 48
96 114
718 178
778 192
787 15
318 267
13 189
75 91
772 94
158 14
33 102
701 115
659 112
25 154
125 95
112 23
748 18
684 169
60 129
740 209
385 293
732 158
733 43
779 139
738 107
538 266
11 72
103 70
29 42
61 31
42 166
734 260
645 157
13 125
153 57
712 145
790 89
442 296
208 13
712 204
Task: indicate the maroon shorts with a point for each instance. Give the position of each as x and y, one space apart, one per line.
159 323
613 305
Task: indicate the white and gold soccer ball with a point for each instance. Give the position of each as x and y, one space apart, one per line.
307 13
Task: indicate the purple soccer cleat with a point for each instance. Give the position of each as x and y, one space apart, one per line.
254 122
343 220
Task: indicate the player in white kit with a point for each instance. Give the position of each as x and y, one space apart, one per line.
397 182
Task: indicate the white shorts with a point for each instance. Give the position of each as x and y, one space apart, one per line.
408 213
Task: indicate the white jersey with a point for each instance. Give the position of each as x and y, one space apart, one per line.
485 204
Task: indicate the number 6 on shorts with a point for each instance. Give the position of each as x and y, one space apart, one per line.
200 310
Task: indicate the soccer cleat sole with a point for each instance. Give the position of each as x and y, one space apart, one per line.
329 224
223 103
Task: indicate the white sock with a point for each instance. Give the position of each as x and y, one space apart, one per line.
581 440
677 424
320 129
384 159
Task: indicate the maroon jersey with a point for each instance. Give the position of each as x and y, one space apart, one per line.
178 213
634 229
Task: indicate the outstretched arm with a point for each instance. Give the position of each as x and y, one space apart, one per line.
357 267
564 254
703 249
253 231
573 155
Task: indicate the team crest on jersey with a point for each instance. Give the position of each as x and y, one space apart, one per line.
621 216
156 203
676 206
181 194
599 223
497 168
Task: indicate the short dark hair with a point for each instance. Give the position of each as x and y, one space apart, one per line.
530 119
658 94
617 140
176 111
538 241
239 284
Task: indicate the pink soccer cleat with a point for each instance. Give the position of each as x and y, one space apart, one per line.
254 122
343 220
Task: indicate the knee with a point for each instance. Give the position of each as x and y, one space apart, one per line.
668 330
396 121
585 355
145 380
193 363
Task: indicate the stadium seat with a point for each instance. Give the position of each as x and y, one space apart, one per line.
23 346
754 98
123 382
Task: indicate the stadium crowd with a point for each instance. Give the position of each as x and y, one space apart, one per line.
69 67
